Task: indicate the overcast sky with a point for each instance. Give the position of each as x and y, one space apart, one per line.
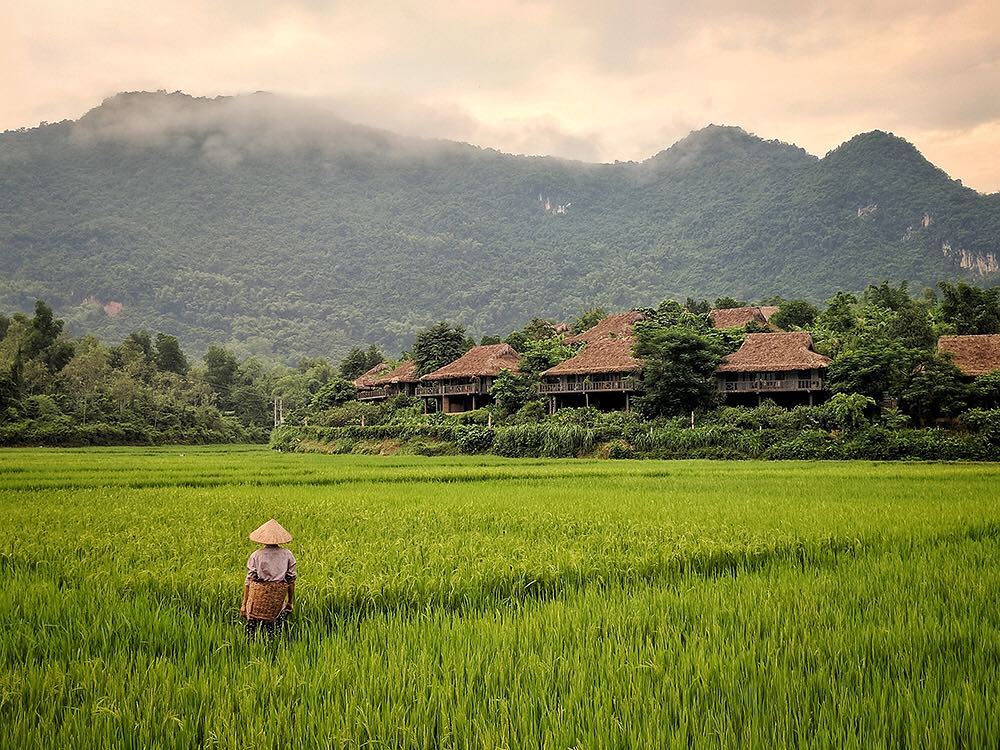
588 80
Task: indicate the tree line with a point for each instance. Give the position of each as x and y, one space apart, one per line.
57 389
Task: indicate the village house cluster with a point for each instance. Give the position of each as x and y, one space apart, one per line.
781 366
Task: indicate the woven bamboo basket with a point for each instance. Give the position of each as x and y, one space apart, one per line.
265 600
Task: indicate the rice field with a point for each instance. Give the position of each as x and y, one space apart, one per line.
478 602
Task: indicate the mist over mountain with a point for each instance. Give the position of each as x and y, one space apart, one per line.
272 225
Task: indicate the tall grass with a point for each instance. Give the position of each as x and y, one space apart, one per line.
485 602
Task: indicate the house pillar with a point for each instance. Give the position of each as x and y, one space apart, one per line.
586 398
473 402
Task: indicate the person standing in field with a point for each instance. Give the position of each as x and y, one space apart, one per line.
269 590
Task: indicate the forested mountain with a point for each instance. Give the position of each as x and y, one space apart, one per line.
274 226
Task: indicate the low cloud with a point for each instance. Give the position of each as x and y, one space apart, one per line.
584 80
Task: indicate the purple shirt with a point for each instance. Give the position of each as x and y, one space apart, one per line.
271 564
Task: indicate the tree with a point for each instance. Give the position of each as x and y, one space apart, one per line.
510 392
726 303
911 327
874 371
359 361
888 296
438 345
679 370
169 356
535 330
909 323
8 389
542 354
795 313
671 313
85 376
839 314
847 411
220 373
934 389
45 329
986 390
698 307
135 354
588 319
488 340
143 343
251 405
969 309
336 392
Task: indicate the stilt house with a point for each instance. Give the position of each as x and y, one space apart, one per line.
383 382
781 366
466 383
603 374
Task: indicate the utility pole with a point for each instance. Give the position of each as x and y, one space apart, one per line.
279 411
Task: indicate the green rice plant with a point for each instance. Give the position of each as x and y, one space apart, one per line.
483 602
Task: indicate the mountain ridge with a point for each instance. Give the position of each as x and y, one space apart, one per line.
271 225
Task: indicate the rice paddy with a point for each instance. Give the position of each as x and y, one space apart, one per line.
478 602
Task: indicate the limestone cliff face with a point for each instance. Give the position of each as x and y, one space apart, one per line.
982 264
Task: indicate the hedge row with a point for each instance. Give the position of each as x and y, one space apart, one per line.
62 432
710 441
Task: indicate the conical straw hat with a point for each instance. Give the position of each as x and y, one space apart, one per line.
271 532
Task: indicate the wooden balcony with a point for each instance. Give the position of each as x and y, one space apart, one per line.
443 388
372 394
771 386
595 386
461 389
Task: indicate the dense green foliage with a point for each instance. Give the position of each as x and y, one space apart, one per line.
359 361
678 372
275 230
841 428
438 345
886 376
59 390
485 603
795 314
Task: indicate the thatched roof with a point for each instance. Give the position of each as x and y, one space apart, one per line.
612 326
366 379
479 361
607 348
775 352
740 317
973 355
404 372
602 356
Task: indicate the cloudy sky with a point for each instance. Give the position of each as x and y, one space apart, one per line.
591 80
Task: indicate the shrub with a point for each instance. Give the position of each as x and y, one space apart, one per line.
808 444
846 411
474 439
984 422
532 412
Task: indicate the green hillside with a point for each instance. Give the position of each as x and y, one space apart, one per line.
277 228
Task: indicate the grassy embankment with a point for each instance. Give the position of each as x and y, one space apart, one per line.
484 602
